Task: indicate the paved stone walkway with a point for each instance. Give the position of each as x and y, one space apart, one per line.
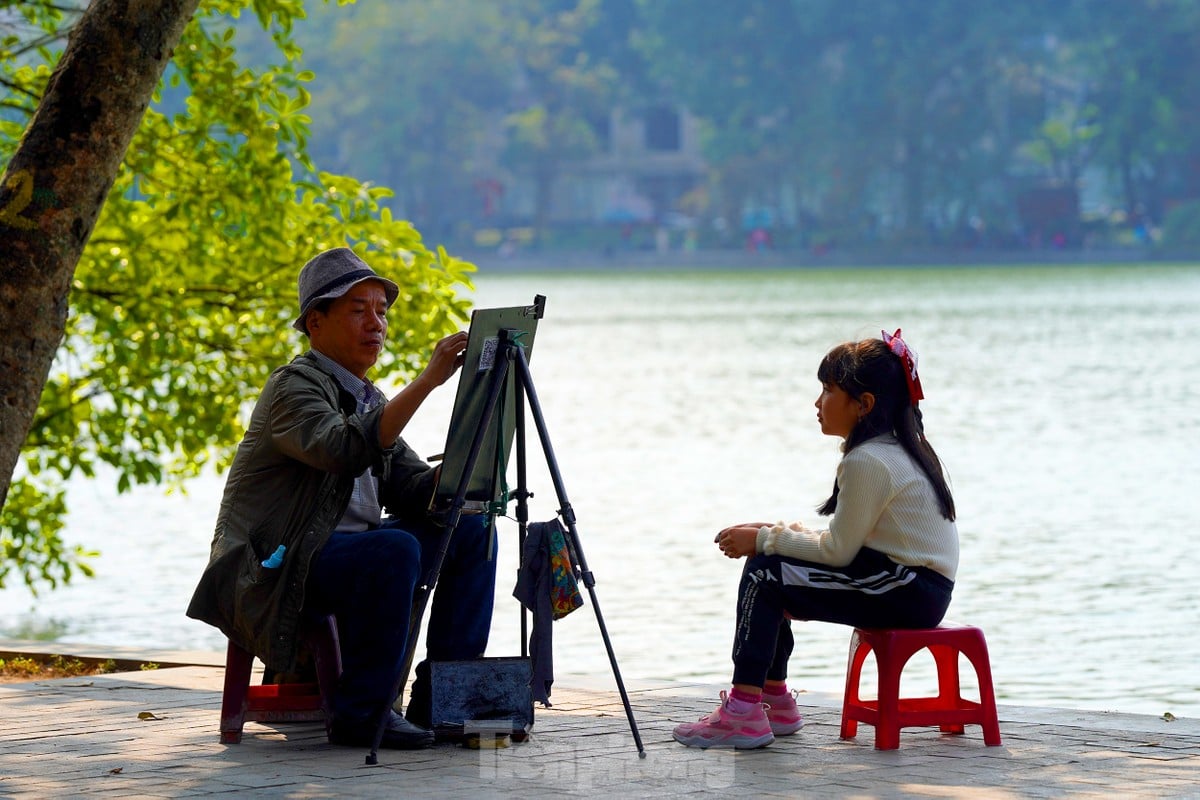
154 734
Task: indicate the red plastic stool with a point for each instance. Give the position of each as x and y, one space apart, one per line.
949 711
282 702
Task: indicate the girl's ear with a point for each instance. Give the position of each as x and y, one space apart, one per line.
866 401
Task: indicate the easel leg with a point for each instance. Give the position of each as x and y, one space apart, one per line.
424 592
523 389
522 495
568 515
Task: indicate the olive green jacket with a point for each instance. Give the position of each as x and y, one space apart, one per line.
290 483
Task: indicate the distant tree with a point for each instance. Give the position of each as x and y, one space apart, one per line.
1065 143
561 90
406 95
180 301
749 71
937 72
859 104
1141 72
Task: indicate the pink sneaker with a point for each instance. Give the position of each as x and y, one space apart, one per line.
783 714
727 729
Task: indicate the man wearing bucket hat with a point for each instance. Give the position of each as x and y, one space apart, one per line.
302 530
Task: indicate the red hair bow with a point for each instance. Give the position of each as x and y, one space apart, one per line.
909 357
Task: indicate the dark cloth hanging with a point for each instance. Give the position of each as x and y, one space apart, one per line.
546 586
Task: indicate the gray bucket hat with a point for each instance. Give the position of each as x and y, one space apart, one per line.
331 274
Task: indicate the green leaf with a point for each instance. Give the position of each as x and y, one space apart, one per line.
182 301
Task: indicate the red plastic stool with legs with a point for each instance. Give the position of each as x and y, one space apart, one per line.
949 711
281 702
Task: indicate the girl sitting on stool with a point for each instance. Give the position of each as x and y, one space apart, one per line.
887 560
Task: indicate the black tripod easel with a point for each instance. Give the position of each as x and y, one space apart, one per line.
510 356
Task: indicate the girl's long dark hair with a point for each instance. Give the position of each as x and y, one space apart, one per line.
871 366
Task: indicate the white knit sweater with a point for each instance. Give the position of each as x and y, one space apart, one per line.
885 502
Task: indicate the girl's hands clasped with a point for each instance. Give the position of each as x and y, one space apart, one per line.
737 541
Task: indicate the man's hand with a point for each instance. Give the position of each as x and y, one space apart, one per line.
446 359
738 540
448 355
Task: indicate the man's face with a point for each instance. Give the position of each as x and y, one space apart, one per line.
353 330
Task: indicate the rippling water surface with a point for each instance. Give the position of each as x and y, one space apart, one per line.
1064 401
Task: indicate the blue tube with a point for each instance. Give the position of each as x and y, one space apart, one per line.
276 559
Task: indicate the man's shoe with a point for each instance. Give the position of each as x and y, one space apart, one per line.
420 711
420 703
399 733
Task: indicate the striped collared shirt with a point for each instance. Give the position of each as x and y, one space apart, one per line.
364 511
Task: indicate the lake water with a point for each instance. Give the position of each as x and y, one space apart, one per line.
1064 401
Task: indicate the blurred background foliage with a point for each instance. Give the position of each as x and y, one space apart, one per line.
507 127
867 125
182 301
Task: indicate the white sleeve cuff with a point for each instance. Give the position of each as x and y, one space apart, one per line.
767 537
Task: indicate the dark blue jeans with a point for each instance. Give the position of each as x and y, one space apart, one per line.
367 580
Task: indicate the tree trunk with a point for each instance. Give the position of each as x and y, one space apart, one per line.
57 182
544 174
1125 160
914 190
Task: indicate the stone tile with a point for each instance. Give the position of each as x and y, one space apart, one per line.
82 738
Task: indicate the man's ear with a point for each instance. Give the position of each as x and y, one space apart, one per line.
866 401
